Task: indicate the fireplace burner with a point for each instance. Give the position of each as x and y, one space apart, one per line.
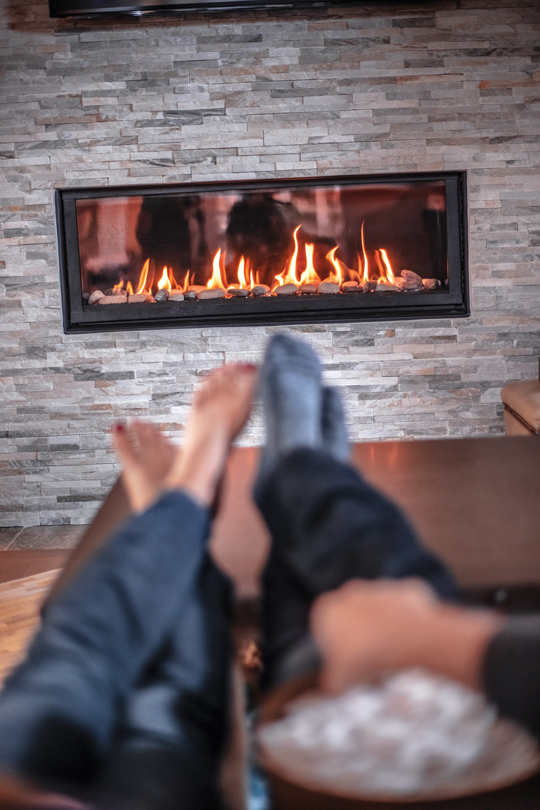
257 252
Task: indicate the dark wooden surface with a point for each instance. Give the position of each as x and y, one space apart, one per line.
475 502
19 564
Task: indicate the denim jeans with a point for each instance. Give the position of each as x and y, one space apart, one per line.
123 696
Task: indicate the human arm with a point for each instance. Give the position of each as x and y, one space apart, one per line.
366 629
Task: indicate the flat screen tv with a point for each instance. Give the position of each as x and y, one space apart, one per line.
88 8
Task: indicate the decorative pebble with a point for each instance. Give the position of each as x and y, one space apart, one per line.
260 289
407 286
328 287
238 292
206 295
286 289
162 295
307 289
351 286
431 283
113 299
386 288
96 295
410 276
370 286
176 295
139 298
191 295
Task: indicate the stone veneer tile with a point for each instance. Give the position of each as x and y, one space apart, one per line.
7 537
46 537
259 94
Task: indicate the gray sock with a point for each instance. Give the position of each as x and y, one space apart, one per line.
334 430
291 392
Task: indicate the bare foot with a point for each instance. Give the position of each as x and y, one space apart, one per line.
152 464
220 410
145 461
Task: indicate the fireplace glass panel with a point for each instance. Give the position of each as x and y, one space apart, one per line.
258 240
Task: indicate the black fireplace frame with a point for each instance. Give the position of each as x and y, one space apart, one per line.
452 302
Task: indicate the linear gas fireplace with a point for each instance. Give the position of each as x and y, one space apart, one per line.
259 252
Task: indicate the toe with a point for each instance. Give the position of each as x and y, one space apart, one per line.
123 446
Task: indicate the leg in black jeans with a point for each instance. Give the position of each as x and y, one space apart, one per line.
125 686
328 526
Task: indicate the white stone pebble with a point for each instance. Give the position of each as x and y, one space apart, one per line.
206 295
96 295
328 287
286 289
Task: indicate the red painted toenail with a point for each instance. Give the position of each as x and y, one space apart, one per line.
250 366
119 427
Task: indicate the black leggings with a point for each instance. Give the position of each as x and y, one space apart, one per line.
328 526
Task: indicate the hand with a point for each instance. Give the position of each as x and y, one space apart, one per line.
366 629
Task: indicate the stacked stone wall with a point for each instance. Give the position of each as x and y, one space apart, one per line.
374 88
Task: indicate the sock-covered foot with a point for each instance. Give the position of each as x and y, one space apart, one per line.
334 430
291 392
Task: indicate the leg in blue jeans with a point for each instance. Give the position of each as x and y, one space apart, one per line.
129 669
328 525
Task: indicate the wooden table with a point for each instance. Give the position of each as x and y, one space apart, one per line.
475 502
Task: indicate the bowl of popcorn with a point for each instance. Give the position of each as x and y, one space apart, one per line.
413 738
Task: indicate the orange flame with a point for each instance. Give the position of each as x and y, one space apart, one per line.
385 268
243 268
218 267
288 276
338 275
186 282
164 283
118 287
365 275
309 276
291 274
142 278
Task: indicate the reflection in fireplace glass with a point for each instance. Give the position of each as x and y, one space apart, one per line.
388 237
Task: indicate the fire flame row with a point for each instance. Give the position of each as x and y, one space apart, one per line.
247 279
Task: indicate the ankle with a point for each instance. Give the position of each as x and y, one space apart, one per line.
199 468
